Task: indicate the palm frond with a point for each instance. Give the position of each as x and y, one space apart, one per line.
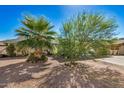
38 32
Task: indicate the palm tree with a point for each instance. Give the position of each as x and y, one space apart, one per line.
37 33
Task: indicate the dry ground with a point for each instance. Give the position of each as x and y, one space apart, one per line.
18 73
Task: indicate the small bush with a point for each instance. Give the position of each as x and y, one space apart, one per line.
44 58
11 50
33 59
102 52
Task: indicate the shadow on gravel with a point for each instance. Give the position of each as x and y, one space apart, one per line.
20 72
84 76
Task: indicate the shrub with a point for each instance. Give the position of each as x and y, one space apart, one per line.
44 58
102 52
11 50
33 59
83 33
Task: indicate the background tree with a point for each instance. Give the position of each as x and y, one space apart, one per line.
38 34
86 35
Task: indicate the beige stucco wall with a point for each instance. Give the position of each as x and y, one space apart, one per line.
2 49
121 49
114 52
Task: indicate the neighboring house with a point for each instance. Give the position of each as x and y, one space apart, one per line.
117 48
3 44
2 47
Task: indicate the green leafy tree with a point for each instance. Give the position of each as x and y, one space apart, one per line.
86 35
37 33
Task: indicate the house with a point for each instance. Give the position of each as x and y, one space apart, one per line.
117 48
2 47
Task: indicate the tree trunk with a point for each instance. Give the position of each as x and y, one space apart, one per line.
38 53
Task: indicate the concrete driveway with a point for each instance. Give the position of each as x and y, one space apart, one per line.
118 60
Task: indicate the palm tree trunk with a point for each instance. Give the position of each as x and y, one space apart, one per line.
38 53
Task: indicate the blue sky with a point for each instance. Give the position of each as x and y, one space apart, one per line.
10 16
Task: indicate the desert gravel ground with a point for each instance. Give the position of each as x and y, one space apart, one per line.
18 73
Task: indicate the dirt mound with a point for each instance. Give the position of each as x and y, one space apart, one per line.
82 75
